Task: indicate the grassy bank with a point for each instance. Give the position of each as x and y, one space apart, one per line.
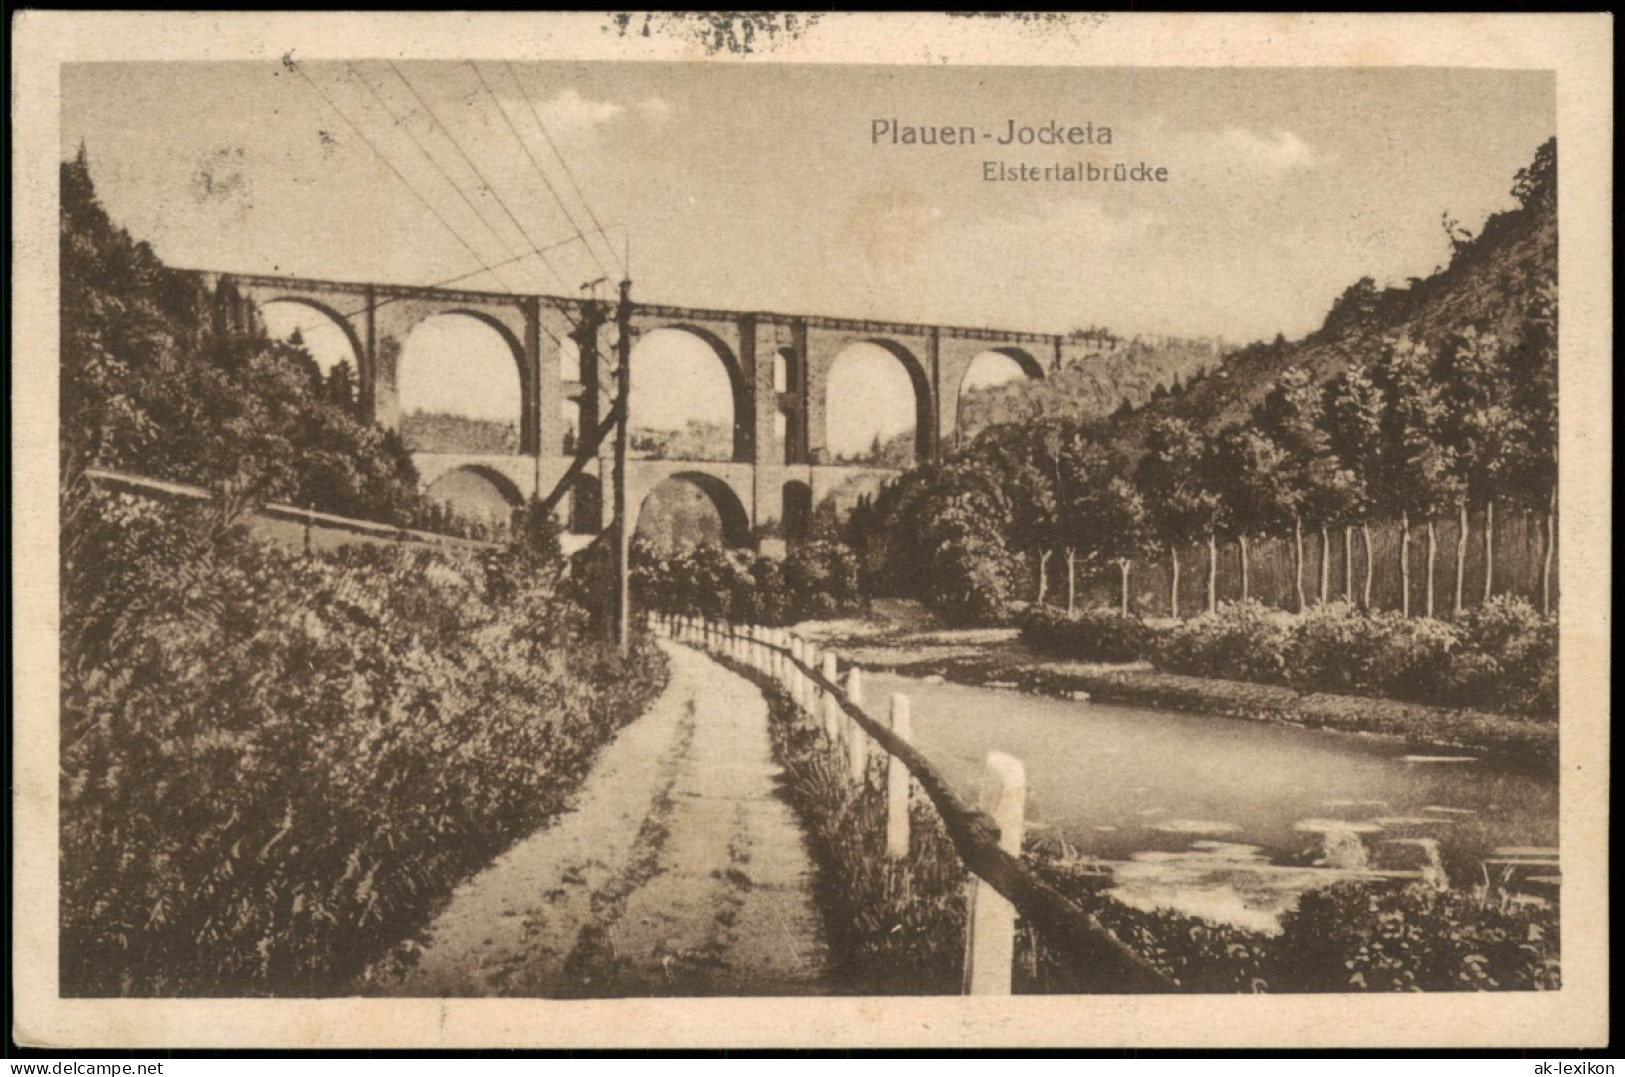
893 926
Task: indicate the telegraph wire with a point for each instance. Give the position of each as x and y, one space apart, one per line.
476 169
299 69
580 194
568 216
444 174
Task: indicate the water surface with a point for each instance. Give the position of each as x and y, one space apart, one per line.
1226 817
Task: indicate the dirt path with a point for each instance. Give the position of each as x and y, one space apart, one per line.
680 872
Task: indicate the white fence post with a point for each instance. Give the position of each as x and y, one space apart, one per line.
795 672
832 706
991 946
857 741
814 702
897 782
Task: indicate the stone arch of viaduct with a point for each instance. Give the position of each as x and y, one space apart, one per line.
377 319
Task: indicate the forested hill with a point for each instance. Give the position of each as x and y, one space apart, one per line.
1493 282
1107 374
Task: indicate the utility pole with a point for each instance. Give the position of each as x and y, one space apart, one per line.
623 530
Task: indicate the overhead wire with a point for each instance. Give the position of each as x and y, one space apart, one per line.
548 183
489 186
486 267
300 71
568 172
400 123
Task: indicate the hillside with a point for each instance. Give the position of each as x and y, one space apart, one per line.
1110 372
155 382
1492 281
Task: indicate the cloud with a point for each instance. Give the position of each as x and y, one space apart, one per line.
1277 153
570 112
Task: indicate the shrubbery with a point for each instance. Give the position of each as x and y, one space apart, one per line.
1347 937
1501 656
1352 938
1096 635
273 765
815 579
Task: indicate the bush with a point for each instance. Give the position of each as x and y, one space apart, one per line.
1510 659
1500 657
817 579
1243 641
273 766
1347 937
1351 938
893 926
1336 648
1098 635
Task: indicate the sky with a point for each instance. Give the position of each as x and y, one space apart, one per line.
758 186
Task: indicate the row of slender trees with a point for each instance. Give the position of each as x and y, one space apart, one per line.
1414 433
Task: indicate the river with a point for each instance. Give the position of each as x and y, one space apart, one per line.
1232 819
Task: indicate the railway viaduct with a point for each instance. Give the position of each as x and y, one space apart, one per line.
776 364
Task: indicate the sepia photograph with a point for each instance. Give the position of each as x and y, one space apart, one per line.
704 514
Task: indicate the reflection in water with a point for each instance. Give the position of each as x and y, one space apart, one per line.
1147 792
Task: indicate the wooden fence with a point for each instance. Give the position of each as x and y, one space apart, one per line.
987 838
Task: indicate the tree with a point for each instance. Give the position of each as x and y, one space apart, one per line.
1305 482
1105 517
1085 469
1416 473
1481 427
165 378
1028 458
1248 469
341 385
1535 187
1180 506
970 563
1357 304
1531 469
1353 417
